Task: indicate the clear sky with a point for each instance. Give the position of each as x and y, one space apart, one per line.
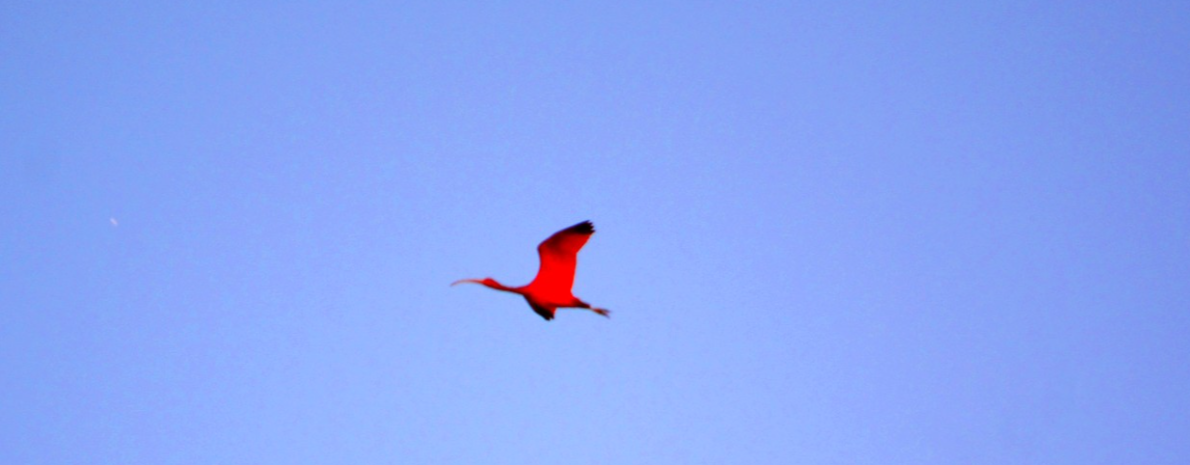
829 232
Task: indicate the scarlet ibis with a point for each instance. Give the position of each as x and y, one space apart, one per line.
550 290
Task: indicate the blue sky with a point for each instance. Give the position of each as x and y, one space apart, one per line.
829 232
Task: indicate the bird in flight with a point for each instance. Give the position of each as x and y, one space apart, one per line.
550 290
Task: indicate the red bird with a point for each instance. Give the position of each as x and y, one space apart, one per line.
550 290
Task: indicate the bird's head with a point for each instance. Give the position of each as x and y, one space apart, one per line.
489 282
485 281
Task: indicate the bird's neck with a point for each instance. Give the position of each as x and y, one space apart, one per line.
492 283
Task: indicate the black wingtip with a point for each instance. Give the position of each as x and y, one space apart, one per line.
582 228
547 313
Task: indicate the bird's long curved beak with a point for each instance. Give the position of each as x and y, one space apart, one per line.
476 281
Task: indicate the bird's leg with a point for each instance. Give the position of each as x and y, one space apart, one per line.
600 311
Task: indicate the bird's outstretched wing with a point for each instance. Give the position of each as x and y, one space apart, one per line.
559 255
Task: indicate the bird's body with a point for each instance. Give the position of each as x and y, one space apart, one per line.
551 289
